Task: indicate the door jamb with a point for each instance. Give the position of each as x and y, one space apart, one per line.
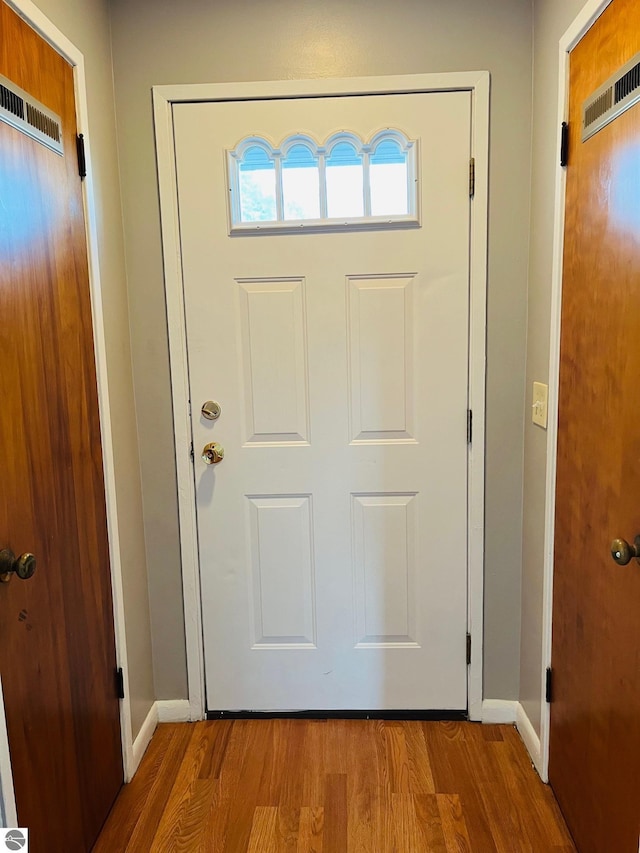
587 16
478 83
39 22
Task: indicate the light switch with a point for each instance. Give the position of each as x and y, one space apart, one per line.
539 406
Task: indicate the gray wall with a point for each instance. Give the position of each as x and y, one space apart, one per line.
551 19
161 41
86 24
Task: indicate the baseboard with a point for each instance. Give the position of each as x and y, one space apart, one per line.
174 711
499 710
143 738
530 739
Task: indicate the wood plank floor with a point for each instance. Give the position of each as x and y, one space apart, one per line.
335 786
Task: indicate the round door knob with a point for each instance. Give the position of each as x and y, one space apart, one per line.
213 453
622 552
23 566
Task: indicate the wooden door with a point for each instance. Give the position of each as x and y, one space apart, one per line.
57 652
340 361
595 713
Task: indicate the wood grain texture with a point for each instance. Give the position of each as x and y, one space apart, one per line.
595 714
335 786
57 650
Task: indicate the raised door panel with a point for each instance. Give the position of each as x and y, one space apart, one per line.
281 559
380 339
384 550
274 360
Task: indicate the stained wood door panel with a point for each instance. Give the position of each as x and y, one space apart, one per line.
57 651
335 786
595 714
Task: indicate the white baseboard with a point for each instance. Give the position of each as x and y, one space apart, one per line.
530 739
506 711
499 710
174 711
143 739
168 711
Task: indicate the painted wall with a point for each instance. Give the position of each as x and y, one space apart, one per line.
551 19
86 24
160 41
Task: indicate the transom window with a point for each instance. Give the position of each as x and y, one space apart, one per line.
343 183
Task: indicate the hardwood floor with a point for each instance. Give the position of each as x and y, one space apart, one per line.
335 786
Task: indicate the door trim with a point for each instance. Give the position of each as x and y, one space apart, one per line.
587 17
30 13
476 82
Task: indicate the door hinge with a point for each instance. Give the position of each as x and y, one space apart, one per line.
191 453
469 426
564 144
472 177
82 159
549 685
119 683
468 649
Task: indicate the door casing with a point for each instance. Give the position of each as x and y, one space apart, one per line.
53 36
539 750
476 82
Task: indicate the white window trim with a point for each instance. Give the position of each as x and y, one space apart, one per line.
277 154
164 97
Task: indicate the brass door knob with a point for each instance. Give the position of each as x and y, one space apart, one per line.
23 566
213 453
622 552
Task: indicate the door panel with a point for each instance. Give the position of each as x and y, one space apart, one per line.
595 714
340 361
57 654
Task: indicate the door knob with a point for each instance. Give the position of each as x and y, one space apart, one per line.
213 453
24 566
622 552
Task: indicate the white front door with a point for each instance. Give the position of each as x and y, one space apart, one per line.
333 534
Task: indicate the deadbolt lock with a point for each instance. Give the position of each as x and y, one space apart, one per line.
23 566
211 410
213 453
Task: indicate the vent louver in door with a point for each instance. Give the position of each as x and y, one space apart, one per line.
621 91
29 116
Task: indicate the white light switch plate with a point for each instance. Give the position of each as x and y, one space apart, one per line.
539 406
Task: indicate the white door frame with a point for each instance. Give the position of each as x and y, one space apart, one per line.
476 82
582 24
51 34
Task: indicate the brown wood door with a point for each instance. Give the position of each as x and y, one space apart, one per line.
595 714
57 652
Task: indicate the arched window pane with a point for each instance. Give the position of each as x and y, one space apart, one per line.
389 184
300 184
345 191
257 185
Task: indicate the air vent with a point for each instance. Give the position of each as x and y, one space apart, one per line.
621 91
599 107
11 102
628 83
29 116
